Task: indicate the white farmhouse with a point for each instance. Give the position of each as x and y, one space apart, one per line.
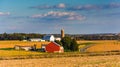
49 38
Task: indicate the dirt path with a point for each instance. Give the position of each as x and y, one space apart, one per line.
94 61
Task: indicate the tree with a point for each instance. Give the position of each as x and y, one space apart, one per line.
69 44
74 45
59 42
66 41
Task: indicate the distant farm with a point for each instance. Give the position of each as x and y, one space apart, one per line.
95 47
88 46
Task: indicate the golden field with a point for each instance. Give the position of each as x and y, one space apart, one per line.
101 45
69 61
90 61
98 45
11 44
14 53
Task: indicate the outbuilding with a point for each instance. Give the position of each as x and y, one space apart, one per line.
53 47
37 39
26 48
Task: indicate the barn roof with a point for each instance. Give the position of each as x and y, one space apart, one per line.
55 43
47 37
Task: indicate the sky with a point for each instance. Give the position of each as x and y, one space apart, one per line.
50 16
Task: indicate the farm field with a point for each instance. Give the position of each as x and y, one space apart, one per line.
13 53
11 44
32 59
89 61
100 45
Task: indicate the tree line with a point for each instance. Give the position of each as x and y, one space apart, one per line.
97 37
19 36
26 36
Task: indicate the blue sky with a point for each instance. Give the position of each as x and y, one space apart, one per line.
49 16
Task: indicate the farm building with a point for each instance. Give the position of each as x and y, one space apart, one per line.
43 47
58 38
49 38
54 47
26 48
36 39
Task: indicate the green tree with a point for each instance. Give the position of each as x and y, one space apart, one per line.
66 41
74 45
69 44
59 42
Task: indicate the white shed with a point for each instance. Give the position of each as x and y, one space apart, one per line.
49 38
36 39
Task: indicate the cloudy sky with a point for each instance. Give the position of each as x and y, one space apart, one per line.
49 16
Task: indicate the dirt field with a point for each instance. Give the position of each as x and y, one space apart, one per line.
91 61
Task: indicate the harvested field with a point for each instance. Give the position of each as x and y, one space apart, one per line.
90 61
12 53
11 44
100 45
103 47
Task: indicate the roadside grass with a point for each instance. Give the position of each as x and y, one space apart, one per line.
6 48
87 43
82 45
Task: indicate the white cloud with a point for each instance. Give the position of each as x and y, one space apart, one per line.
58 6
79 7
57 15
61 5
4 13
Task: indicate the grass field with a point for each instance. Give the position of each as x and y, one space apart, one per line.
89 61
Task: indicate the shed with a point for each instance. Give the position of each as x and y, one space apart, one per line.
26 48
36 39
53 47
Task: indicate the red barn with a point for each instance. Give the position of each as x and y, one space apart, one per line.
54 47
